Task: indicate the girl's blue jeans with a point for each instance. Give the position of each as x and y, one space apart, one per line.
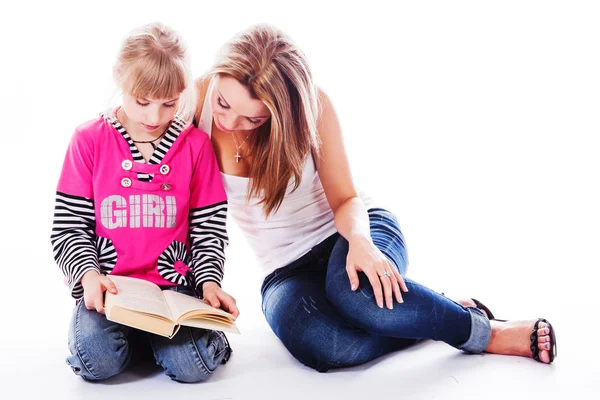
312 310
101 348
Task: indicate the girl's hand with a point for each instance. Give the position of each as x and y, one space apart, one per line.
218 298
94 286
364 256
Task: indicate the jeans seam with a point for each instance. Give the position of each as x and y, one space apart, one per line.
221 334
78 341
198 353
219 353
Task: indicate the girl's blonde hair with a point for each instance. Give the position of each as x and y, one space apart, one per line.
153 63
275 71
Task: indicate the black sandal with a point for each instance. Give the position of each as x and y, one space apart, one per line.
482 306
553 352
533 346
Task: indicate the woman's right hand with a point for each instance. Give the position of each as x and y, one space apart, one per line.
94 286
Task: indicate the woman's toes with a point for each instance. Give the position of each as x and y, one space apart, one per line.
544 346
543 333
545 356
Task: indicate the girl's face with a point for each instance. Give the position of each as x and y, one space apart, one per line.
233 107
149 115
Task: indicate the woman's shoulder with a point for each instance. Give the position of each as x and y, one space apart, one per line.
202 85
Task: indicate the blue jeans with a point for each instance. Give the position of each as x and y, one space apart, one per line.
312 310
101 348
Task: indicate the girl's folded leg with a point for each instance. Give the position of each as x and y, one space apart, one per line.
192 355
101 348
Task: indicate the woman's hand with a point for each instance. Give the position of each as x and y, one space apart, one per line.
364 256
218 298
351 217
94 286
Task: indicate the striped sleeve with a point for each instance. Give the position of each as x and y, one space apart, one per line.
208 240
73 232
207 220
73 239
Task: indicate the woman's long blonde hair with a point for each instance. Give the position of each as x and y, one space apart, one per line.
275 71
153 63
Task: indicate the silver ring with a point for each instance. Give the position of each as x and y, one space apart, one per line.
385 274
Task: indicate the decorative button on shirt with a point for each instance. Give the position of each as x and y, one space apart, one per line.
125 182
164 169
126 165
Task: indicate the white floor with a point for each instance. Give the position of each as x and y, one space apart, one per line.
261 368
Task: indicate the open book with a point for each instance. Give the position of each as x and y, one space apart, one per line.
143 305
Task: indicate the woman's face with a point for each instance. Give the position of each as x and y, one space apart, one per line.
233 107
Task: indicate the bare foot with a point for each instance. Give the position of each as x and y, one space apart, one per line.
471 303
512 338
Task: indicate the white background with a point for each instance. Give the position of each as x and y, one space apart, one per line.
475 121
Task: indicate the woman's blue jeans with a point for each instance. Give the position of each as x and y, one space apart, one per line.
312 310
101 348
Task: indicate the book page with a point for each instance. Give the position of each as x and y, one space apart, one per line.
208 324
137 295
181 304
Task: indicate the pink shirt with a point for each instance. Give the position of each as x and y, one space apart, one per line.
162 220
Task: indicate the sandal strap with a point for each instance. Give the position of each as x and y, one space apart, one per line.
483 307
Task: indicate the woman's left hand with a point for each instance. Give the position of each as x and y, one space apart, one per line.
385 279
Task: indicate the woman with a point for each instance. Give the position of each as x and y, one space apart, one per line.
331 258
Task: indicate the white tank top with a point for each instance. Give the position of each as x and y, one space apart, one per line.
303 220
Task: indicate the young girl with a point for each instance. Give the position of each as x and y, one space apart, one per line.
334 264
140 195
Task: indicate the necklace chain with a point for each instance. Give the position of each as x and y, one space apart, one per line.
237 148
149 141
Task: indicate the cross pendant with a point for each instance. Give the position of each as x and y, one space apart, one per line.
237 157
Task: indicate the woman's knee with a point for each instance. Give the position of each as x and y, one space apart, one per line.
388 237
